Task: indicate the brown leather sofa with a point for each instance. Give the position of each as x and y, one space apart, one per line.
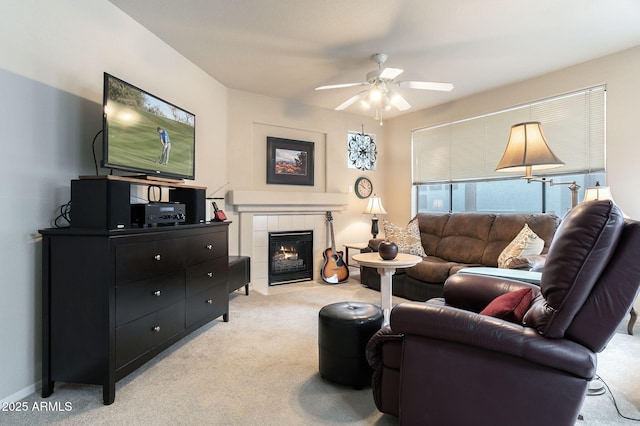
442 362
453 241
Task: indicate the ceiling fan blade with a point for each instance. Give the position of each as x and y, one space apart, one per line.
399 102
425 85
340 86
390 73
352 100
386 74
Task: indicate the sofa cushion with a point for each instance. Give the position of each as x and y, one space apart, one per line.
526 243
465 237
407 239
506 226
510 306
431 230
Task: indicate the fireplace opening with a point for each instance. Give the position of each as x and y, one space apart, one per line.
290 257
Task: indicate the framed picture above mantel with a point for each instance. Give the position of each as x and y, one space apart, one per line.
290 162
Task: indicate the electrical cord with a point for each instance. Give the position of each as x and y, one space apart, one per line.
93 150
615 403
64 211
64 214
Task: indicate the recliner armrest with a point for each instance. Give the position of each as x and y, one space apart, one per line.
435 320
475 292
374 350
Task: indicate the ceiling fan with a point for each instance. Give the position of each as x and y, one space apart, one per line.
380 92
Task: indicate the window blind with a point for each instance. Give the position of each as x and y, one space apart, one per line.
573 124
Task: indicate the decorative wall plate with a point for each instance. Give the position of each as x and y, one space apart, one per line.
362 151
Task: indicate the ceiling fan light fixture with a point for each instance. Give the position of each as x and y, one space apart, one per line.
378 94
375 94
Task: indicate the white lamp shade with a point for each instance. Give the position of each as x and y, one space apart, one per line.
527 150
598 193
374 206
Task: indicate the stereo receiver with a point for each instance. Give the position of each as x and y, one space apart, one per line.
153 214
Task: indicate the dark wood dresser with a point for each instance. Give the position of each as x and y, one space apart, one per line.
114 299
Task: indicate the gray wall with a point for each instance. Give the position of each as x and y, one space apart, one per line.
52 61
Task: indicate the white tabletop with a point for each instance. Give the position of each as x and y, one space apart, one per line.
374 260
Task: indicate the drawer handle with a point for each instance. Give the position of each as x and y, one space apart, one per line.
209 247
157 257
157 293
210 274
156 329
209 301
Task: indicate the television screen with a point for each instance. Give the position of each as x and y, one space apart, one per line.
145 134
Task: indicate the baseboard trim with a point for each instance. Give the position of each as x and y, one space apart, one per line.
22 393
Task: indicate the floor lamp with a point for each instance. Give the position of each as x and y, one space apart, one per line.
527 150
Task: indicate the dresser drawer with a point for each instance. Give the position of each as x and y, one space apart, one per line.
206 274
141 335
136 299
147 259
208 304
203 247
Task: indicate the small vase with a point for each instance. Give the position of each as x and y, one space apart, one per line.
388 250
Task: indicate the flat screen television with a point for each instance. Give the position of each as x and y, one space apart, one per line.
145 134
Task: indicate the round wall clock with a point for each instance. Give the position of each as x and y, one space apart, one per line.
364 188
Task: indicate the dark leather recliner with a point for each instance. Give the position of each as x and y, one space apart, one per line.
440 362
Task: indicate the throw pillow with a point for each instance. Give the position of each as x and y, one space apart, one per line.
510 306
407 239
526 243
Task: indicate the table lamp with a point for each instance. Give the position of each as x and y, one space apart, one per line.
374 207
597 193
600 193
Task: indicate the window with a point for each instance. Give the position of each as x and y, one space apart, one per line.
453 165
504 196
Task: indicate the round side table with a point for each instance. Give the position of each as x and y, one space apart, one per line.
386 269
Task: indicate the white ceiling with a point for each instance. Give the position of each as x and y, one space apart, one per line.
286 48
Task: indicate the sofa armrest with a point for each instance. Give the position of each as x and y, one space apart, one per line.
536 263
529 263
475 292
436 320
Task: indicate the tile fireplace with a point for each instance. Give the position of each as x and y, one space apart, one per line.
262 212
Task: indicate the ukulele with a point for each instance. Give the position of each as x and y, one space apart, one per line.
334 269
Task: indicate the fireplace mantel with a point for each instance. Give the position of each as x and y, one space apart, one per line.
287 202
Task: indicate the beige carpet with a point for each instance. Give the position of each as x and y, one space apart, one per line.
262 368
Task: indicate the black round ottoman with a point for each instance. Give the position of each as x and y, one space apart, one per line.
343 332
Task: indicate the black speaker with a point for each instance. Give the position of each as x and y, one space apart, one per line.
100 204
194 200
